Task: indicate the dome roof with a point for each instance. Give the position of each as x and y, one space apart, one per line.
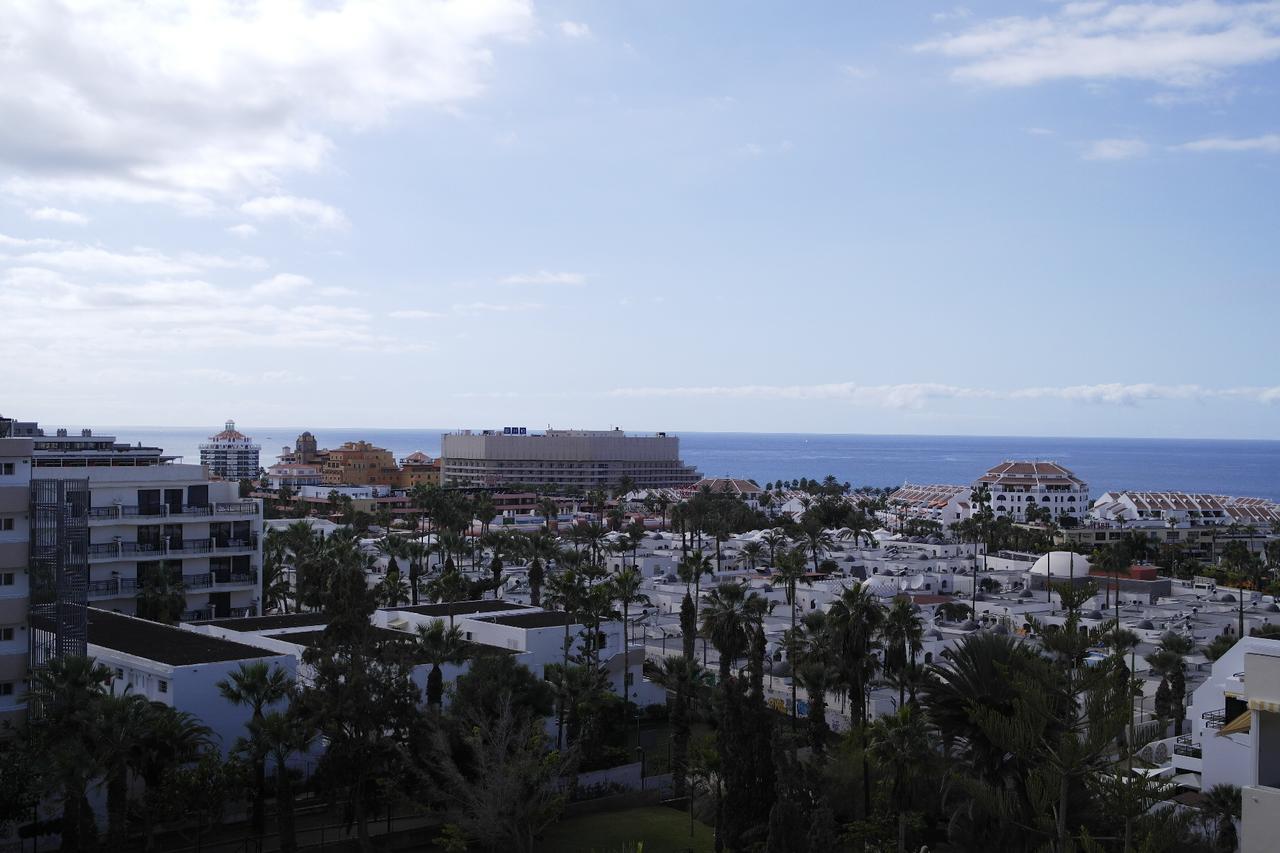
1060 564
880 586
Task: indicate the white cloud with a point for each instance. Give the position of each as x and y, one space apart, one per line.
92 302
546 277
1270 144
495 307
197 104
916 395
244 230
281 284
303 211
1178 44
414 314
55 214
575 30
1115 149
955 13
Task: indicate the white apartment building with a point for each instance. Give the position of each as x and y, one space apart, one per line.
1185 509
1016 486
231 455
178 668
149 515
294 476
945 504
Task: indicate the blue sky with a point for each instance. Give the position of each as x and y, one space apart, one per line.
999 218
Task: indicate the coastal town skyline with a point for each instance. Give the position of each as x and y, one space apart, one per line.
925 219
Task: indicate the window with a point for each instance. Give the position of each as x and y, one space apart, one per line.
6 469
6 634
164 686
6 579
6 688
6 523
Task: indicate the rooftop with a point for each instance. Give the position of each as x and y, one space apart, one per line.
164 644
462 608
1030 472
539 619
268 623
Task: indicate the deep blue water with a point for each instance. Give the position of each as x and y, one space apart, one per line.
1201 465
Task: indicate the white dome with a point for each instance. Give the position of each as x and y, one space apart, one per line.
1062 564
880 586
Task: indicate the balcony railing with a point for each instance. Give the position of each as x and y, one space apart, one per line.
104 589
1214 719
1185 746
116 512
241 612
204 580
196 615
243 544
225 576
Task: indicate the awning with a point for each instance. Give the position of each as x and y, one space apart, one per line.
1238 726
1264 705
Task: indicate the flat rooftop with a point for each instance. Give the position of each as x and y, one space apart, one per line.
310 639
161 643
462 608
537 619
270 622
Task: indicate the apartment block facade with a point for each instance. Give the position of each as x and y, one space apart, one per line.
581 459
15 496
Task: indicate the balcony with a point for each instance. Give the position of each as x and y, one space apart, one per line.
226 577
1214 719
249 543
105 552
127 513
1188 748
195 615
204 580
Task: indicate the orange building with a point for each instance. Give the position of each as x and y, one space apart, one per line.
359 463
418 469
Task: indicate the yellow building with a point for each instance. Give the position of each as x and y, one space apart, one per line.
418 469
359 463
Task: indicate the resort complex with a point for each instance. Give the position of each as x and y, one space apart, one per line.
626 610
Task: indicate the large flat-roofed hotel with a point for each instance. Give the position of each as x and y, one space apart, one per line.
586 459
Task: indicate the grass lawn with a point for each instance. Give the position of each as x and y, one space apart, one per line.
661 829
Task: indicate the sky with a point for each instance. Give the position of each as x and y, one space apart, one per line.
1034 218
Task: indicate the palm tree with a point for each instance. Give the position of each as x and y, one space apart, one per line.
625 587
550 511
540 547
681 675
903 633
170 739
275 580
809 650
773 540
257 686
751 552
120 720
728 620
161 596
440 645
65 699
818 540
900 744
281 736
1221 811
567 592
1246 569
855 622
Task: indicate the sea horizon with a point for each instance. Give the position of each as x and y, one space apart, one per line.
1232 466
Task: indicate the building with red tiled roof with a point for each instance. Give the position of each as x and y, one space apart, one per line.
945 504
231 455
1016 486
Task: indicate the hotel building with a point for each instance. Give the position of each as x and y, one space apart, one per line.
1017 486
575 459
231 455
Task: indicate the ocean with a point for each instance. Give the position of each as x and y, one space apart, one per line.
1202 465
